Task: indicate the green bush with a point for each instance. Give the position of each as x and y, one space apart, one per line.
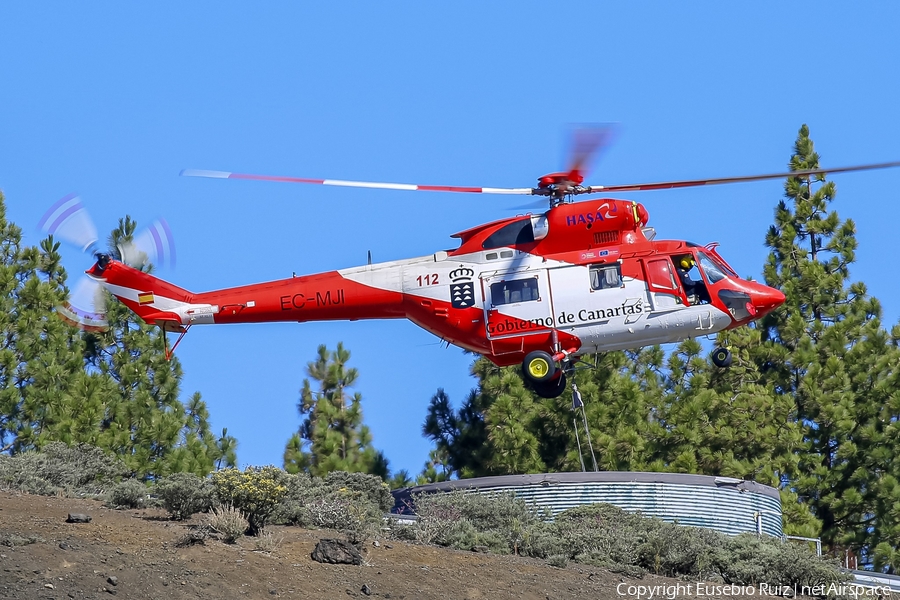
294 506
256 492
347 511
611 538
130 493
352 503
22 473
597 534
463 519
184 494
80 469
675 551
748 560
370 487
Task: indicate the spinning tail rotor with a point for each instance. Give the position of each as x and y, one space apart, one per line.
69 220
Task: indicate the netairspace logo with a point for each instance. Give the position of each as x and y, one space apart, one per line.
670 592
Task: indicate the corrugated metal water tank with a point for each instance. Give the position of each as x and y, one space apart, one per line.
724 504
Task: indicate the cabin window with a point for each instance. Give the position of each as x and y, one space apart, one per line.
514 291
512 234
659 271
506 254
491 256
604 277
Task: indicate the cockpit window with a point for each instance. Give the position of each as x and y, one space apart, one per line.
513 234
713 272
724 267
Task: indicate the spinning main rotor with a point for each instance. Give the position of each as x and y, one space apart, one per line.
557 187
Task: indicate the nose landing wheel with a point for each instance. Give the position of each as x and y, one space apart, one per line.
721 357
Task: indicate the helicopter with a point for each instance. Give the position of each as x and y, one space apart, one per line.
535 290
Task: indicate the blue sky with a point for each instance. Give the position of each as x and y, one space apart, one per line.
112 100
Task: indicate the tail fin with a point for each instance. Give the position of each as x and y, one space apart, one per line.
156 301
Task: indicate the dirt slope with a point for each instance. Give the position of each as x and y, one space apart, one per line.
138 549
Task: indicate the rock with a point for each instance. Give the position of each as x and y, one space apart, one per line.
49 586
336 552
64 546
113 580
78 518
365 590
376 543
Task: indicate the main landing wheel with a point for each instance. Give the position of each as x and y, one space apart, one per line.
721 357
551 389
538 367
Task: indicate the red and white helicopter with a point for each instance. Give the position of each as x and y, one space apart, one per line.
537 290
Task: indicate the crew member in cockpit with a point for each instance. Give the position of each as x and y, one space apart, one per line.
694 290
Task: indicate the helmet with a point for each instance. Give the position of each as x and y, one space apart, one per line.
687 262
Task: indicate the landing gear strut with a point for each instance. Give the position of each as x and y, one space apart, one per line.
721 357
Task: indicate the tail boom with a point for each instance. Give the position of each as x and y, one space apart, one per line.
322 297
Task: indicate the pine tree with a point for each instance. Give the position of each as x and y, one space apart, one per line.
435 470
836 363
503 428
333 429
40 358
460 437
144 421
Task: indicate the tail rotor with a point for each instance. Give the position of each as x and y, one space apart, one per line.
69 220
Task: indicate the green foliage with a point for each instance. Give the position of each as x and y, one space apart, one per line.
352 503
832 360
129 493
333 427
184 494
347 511
597 534
748 560
370 487
436 468
19 474
114 390
608 537
80 469
256 492
464 520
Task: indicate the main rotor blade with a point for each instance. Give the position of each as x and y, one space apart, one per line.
358 184
667 185
586 142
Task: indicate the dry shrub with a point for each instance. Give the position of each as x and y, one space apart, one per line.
227 521
267 540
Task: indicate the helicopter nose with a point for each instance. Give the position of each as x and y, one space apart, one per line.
766 299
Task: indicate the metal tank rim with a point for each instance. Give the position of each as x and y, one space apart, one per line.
552 479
